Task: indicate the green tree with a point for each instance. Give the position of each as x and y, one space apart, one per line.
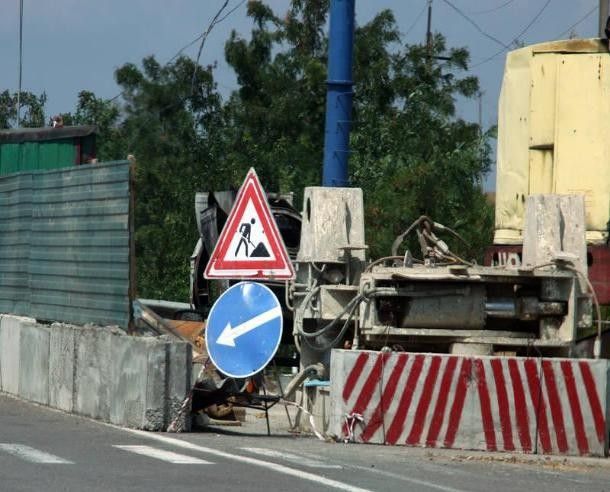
275 120
410 153
106 115
172 123
32 109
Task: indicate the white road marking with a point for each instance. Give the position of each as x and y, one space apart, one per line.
33 455
292 458
293 472
423 483
160 454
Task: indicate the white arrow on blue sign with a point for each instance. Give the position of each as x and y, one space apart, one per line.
244 329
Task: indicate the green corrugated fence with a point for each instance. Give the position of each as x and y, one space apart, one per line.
65 244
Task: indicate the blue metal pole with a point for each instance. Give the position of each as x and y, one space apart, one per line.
339 93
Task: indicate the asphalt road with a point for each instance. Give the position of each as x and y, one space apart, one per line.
41 449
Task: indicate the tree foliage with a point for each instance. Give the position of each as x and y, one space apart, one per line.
410 153
275 120
32 109
106 115
173 128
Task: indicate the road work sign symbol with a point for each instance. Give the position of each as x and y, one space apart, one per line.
244 329
250 245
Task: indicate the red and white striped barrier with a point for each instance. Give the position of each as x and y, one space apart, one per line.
528 405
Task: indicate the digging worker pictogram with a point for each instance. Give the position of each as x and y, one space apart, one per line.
245 230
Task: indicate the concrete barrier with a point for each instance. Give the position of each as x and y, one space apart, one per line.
34 363
10 339
61 367
137 382
526 405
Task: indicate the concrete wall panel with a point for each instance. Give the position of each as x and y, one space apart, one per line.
138 382
180 356
61 367
128 376
10 336
155 417
34 363
93 372
357 396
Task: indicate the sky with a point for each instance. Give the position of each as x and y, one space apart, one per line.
71 45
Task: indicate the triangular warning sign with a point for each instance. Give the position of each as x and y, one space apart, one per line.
250 245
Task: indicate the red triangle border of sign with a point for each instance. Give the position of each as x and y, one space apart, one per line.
250 190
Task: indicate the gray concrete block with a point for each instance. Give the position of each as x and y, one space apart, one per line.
332 219
61 367
34 363
129 358
179 382
155 413
10 336
554 224
93 372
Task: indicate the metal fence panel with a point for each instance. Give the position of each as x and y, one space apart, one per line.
66 249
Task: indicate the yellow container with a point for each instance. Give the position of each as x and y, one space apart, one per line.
554 132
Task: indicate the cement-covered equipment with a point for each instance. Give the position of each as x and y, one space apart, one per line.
445 303
329 263
429 309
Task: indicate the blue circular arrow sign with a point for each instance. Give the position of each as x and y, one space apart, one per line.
244 329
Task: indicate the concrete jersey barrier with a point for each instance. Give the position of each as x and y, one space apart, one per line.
526 405
98 372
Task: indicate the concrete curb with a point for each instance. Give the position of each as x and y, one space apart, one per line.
96 372
543 460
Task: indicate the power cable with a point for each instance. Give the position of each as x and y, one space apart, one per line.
476 26
532 22
201 37
20 62
230 11
516 38
204 37
415 21
187 46
489 11
582 19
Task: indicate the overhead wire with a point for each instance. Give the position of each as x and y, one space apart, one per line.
579 21
203 40
476 26
408 31
494 9
532 22
516 38
201 37
20 63
198 38
230 11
